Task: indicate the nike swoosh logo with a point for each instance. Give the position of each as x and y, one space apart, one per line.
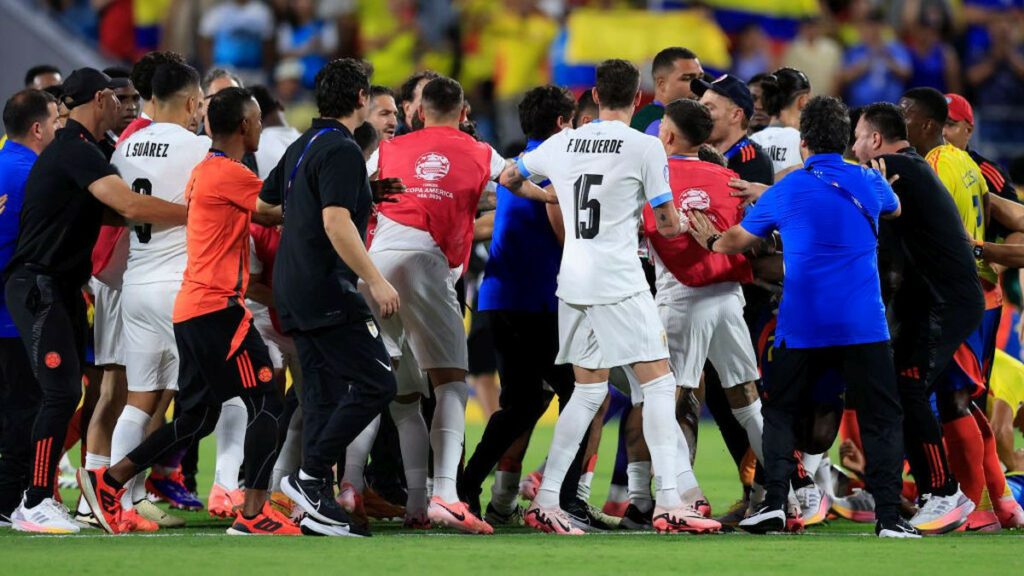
388 368
459 517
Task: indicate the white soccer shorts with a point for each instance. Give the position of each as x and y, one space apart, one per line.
108 325
706 324
429 317
151 353
604 336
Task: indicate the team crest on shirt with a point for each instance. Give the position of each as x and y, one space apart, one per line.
432 166
372 327
694 199
265 375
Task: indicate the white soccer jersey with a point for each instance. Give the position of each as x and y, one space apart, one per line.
602 173
781 144
158 161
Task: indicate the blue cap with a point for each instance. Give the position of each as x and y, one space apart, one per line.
729 86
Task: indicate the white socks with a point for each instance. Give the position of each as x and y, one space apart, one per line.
638 475
230 434
412 437
129 432
357 453
447 432
573 424
750 418
290 455
661 433
504 490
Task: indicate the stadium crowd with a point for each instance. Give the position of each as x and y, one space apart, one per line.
809 269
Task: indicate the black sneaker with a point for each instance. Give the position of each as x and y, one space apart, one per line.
316 497
897 528
764 520
634 519
580 517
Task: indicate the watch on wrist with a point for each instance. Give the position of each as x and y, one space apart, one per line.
979 250
711 241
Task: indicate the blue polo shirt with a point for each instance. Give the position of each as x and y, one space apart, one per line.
15 163
831 294
522 272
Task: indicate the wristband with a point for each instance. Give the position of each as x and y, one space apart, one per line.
711 242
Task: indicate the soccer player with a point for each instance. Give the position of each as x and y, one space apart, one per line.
968 436
420 240
673 70
830 239
221 354
784 93
518 294
937 305
30 122
65 198
383 111
698 294
605 171
322 186
155 161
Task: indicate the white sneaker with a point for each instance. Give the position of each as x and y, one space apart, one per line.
47 517
814 504
941 514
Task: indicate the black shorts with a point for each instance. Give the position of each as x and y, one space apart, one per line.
220 356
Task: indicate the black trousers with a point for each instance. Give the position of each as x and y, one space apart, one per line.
924 343
51 321
346 382
867 370
526 344
19 404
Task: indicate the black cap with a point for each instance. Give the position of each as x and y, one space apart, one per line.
83 84
729 86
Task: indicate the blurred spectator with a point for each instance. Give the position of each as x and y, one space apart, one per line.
876 70
760 119
752 54
42 77
997 72
238 34
307 38
816 55
277 135
934 62
523 33
116 28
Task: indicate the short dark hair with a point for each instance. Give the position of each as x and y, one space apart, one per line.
931 102
338 85
408 88
31 73
667 58
268 103
542 107
366 137
227 110
825 125
443 96
692 118
585 102
887 119
171 78
378 90
118 72
780 88
24 109
617 83
143 70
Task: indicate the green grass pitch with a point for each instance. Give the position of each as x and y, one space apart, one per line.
203 548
